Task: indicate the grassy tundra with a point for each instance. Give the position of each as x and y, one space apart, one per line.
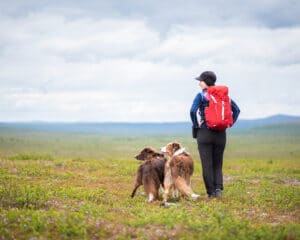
56 185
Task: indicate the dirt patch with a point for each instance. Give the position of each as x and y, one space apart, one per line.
254 181
289 182
292 182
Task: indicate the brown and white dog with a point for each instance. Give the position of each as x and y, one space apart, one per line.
178 171
150 173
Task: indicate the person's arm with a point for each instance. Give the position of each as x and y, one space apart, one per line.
194 108
235 111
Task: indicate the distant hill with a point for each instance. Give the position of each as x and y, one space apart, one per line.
276 122
280 119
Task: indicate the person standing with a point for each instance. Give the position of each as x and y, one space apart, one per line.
211 143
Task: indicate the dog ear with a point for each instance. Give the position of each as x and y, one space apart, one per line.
175 146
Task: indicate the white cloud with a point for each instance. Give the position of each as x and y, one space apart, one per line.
59 69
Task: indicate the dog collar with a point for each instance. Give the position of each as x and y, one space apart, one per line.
179 151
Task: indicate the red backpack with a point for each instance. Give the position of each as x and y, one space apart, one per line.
218 113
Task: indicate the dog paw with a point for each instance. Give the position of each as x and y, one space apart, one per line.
195 196
151 197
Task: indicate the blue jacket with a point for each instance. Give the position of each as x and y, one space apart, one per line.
197 110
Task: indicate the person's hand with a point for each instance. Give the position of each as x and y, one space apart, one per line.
200 123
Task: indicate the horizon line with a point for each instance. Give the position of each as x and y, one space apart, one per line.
136 122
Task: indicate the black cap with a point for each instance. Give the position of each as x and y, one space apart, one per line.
208 77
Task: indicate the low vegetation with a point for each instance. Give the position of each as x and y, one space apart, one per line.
64 186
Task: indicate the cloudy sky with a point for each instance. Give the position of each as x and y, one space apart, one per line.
135 60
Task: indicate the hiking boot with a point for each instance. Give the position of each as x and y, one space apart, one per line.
218 193
212 195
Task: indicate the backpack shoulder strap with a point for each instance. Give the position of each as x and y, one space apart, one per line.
203 105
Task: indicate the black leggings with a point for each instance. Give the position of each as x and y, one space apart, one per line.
211 145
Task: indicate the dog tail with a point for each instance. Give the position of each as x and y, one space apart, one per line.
134 190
